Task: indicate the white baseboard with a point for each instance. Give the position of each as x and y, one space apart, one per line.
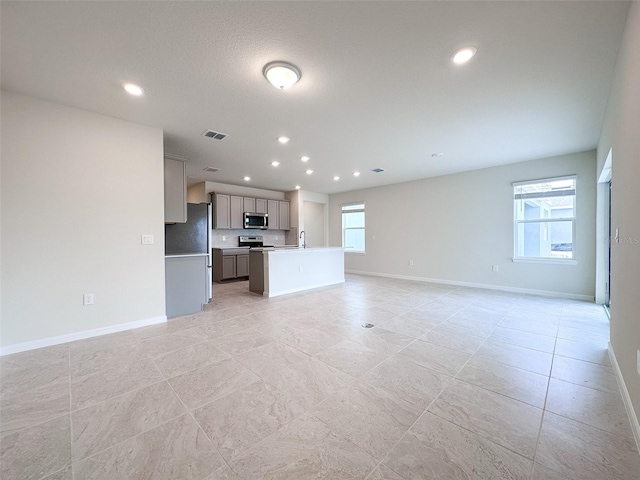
72 337
633 418
528 291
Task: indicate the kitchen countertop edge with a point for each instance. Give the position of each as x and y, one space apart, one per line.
178 255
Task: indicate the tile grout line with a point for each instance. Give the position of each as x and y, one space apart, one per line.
360 379
544 411
196 422
134 436
73 473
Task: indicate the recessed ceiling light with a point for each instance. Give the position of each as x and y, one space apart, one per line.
463 55
308 171
356 174
133 89
246 179
275 163
281 75
304 158
284 139
336 178
297 187
438 154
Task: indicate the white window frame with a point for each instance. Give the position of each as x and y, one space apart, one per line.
516 222
342 212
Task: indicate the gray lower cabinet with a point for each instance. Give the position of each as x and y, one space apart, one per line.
228 266
230 263
186 279
242 266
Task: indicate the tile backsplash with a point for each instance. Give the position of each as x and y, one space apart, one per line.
229 238
291 236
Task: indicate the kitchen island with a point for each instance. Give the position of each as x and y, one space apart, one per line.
279 271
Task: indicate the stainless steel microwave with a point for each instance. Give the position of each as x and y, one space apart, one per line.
256 220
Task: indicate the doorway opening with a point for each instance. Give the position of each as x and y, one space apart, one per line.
604 235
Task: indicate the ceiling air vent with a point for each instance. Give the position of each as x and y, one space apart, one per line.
377 170
213 134
211 169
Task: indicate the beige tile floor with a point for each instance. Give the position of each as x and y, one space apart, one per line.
450 383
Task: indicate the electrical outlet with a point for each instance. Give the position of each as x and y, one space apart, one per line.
373 237
147 239
87 299
495 268
224 238
299 269
411 263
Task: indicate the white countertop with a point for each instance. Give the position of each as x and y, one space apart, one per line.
295 249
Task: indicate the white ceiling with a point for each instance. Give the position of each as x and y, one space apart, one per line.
377 89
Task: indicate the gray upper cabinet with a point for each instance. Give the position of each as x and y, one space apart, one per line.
261 205
249 204
237 210
284 215
229 211
175 191
222 209
274 214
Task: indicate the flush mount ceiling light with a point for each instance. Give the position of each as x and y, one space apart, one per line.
308 172
304 158
284 139
463 55
336 178
297 187
281 75
356 174
133 89
246 179
275 163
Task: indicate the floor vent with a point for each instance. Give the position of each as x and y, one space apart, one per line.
213 134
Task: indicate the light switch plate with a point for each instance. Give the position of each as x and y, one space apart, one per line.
147 239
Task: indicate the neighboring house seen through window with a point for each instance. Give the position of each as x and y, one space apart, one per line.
545 214
353 236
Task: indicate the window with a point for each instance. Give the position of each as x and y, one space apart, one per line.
545 213
353 228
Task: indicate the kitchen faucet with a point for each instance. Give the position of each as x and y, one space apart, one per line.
304 240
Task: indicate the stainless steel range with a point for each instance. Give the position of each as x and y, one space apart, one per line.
253 241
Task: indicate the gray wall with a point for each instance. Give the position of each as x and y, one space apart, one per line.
621 134
455 227
78 191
